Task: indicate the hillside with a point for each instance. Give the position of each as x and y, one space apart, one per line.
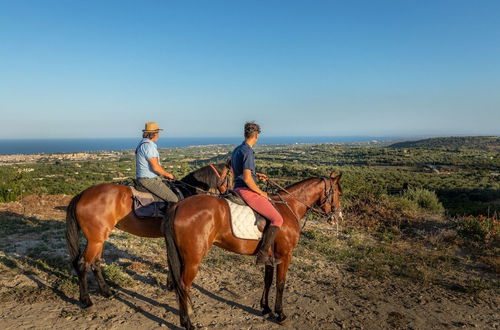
453 142
423 272
418 247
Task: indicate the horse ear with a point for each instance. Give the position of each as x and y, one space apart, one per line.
336 176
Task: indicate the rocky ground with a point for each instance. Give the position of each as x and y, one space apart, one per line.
329 286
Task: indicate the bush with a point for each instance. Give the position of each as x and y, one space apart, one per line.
9 194
404 205
425 199
479 229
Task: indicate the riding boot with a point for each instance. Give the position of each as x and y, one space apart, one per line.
266 242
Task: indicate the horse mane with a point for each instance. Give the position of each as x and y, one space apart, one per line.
298 185
204 178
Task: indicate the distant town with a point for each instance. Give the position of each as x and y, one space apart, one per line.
37 158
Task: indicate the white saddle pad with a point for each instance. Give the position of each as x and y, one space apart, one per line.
243 222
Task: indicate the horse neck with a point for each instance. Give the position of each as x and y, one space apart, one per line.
303 195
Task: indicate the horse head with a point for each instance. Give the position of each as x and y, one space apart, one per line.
330 200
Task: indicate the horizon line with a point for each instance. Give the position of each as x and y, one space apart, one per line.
395 136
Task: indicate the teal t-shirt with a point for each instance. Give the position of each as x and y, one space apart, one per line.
145 150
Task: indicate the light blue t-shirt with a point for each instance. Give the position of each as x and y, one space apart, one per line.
146 149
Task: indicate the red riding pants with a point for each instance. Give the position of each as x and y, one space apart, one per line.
260 205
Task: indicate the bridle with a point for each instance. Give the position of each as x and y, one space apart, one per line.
329 194
329 198
222 178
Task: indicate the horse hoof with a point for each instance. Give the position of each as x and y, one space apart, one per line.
188 325
281 318
267 310
109 293
86 302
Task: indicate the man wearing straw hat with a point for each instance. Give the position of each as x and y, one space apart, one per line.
149 171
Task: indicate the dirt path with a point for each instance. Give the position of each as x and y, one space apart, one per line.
37 290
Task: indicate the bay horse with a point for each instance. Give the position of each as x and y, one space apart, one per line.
193 225
100 208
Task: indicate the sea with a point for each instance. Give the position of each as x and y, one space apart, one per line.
48 146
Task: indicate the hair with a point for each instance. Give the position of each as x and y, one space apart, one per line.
251 129
149 135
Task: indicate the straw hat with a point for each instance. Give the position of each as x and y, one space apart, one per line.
152 126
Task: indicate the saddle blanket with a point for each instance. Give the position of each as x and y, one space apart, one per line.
147 205
243 222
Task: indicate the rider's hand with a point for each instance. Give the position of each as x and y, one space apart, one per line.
264 194
170 176
262 177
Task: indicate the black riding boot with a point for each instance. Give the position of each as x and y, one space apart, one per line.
266 242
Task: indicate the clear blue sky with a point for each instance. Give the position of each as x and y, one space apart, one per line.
323 68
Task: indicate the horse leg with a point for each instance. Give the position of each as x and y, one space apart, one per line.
190 271
170 282
82 269
101 282
280 287
268 281
92 250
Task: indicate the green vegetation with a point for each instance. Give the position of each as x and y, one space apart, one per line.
424 199
464 179
470 142
115 274
479 229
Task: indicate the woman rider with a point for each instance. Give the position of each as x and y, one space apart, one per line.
243 163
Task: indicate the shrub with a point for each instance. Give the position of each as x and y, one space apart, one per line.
479 229
404 205
425 199
9 194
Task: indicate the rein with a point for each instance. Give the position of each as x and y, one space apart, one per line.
222 182
328 193
196 188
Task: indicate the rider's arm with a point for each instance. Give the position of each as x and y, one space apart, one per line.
156 167
248 178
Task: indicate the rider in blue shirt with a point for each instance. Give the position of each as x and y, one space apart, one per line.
243 163
149 171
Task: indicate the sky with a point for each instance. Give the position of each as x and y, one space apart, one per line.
86 69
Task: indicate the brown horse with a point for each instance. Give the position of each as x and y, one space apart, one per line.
194 224
100 208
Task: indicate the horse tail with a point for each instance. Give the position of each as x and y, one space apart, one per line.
175 263
73 230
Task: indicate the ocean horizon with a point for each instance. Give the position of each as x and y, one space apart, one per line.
48 146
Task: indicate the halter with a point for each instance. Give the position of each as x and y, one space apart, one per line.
329 195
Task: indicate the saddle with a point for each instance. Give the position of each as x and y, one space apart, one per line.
147 204
245 222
